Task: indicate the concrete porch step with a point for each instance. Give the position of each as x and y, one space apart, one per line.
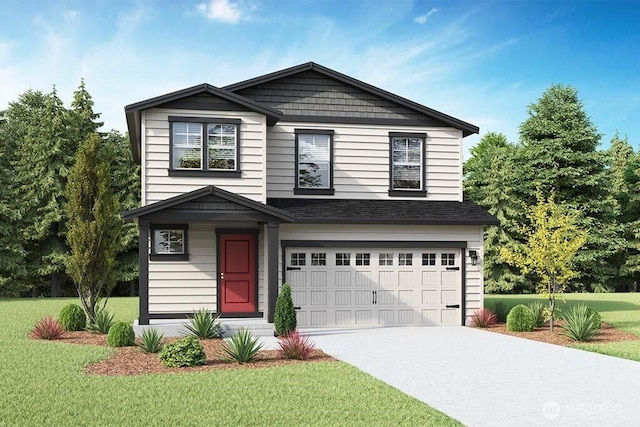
176 328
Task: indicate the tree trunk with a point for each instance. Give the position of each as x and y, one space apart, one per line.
55 285
552 306
132 288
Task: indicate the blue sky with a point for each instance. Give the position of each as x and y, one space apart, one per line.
480 61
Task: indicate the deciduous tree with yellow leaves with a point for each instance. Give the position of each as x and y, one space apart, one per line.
552 240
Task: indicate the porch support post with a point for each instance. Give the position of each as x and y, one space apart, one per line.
143 265
272 275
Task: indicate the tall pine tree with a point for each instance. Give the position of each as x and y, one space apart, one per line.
125 175
559 154
11 254
489 180
41 166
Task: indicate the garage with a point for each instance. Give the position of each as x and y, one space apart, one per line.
375 286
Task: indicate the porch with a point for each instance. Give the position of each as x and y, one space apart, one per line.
211 249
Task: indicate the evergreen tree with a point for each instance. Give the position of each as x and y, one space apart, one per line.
620 155
620 158
94 226
125 175
489 181
559 154
11 254
631 218
41 165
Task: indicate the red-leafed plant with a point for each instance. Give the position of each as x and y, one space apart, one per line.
483 318
48 328
296 346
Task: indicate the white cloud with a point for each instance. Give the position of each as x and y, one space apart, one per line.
422 19
221 10
70 14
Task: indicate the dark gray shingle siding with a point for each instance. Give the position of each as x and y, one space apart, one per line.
312 94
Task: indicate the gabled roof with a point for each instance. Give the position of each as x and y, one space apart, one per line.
203 192
132 111
467 128
358 211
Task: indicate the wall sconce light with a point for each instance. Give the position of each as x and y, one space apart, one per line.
474 257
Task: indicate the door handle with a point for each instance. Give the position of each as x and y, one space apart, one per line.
375 297
222 276
453 306
453 268
293 268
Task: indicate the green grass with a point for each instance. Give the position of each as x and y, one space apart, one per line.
42 384
620 310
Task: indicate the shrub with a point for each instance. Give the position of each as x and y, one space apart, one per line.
121 335
47 328
151 341
285 315
242 347
72 318
581 323
296 346
483 318
186 351
539 310
597 319
102 322
520 319
204 325
501 309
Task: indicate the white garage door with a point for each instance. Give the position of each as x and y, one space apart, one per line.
343 287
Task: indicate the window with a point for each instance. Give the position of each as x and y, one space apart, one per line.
298 259
319 259
314 161
363 259
448 259
169 242
407 164
405 259
428 259
385 259
343 259
202 145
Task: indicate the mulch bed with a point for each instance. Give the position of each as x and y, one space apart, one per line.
132 361
606 334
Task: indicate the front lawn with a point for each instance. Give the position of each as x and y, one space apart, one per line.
41 383
621 310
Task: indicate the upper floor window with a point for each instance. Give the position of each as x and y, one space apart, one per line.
407 164
204 145
314 161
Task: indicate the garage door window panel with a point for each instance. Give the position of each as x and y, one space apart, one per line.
363 259
428 259
343 259
298 259
385 259
318 259
448 259
405 259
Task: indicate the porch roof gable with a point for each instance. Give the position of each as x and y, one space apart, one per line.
194 205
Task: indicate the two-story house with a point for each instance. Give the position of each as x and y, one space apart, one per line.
351 194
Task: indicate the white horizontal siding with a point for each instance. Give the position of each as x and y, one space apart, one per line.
186 286
361 160
158 185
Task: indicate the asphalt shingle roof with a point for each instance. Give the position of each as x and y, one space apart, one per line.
357 211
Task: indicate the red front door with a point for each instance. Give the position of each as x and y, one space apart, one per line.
237 273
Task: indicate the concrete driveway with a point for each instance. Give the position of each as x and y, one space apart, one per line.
487 379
